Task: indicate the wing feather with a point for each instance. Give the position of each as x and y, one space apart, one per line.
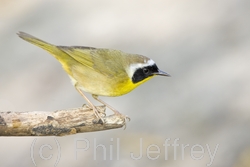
105 61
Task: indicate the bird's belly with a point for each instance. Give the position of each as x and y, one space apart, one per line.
102 84
110 88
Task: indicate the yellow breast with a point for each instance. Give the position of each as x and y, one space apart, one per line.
125 87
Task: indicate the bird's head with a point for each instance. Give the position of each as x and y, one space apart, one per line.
142 69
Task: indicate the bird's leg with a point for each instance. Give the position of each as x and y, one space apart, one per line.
110 107
114 110
91 105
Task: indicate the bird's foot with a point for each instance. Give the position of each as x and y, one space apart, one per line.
123 117
99 113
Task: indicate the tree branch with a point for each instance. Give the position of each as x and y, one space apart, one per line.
56 123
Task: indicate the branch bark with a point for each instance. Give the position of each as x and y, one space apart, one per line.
56 123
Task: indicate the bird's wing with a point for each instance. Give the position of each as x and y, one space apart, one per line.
104 61
80 54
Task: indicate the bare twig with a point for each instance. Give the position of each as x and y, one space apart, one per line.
56 123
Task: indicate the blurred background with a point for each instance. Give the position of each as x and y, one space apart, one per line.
204 45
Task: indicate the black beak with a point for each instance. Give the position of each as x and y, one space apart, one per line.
162 73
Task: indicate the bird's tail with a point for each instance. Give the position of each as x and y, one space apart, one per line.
59 54
52 49
38 42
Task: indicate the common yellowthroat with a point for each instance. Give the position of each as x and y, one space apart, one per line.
101 72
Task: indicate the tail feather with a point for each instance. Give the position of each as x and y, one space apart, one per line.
60 55
38 42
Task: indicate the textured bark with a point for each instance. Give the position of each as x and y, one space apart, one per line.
56 123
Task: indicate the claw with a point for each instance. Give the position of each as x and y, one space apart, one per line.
124 117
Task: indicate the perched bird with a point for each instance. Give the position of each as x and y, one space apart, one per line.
101 72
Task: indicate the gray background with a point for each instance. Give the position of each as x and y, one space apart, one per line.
204 45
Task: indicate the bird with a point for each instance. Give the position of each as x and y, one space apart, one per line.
100 71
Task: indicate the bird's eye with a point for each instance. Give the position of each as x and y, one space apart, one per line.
145 70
